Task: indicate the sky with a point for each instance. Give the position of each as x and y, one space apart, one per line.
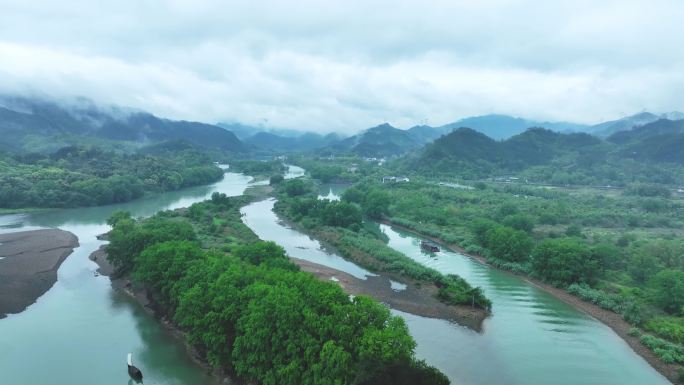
347 65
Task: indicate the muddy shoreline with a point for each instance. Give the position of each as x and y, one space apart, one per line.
29 261
607 317
410 299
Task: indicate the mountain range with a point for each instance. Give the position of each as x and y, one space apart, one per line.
38 125
649 153
269 142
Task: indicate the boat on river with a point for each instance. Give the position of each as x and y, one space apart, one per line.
429 246
134 372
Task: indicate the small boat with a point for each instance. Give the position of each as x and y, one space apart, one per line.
134 372
427 246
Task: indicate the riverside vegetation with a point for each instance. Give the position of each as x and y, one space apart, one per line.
621 251
76 176
341 224
248 309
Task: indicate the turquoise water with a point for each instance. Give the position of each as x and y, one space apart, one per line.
80 331
531 339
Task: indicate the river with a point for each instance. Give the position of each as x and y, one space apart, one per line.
531 339
80 331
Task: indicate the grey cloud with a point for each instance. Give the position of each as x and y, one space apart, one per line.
346 65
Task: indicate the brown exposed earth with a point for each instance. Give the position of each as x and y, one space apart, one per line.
28 265
411 299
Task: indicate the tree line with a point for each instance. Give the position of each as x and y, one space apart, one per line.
88 176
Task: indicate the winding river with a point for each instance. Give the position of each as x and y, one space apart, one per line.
531 339
80 331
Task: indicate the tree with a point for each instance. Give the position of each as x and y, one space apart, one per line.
295 187
481 227
509 244
259 252
376 204
341 214
276 179
565 261
643 266
519 222
117 216
668 286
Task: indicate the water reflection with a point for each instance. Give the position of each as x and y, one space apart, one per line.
532 338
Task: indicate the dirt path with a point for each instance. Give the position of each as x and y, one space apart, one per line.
28 265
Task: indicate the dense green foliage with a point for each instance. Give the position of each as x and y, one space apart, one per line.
610 249
380 141
543 156
565 261
250 310
340 225
88 176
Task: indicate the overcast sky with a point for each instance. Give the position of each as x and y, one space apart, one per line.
347 65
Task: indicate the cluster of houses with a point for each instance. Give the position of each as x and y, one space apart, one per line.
394 179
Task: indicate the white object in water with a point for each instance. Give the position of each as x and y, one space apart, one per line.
130 359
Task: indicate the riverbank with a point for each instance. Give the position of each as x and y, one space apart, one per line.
125 286
409 299
28 265
419 297
607 317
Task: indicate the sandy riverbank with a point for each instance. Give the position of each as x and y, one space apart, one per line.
28 265
410 299
419 298
607 317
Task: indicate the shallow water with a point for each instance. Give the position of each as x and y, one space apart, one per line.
80 331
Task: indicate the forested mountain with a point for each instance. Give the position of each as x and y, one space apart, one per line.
660 141
533 147
270 142
503 126
426 134
627 123
380 141
38 125
244 131
547 156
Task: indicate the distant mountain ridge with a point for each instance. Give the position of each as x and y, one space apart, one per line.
468 152
503 126
305 142
27 120
379 141
659 141
627 123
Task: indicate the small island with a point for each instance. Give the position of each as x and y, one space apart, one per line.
28 265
